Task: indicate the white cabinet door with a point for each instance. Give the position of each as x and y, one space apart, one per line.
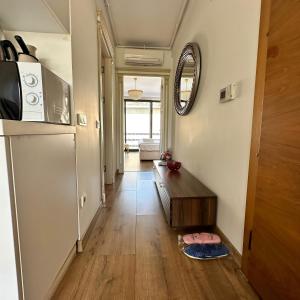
45 187
9 279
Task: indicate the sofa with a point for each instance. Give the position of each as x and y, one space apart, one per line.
149 149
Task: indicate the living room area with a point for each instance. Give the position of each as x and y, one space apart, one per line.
142 122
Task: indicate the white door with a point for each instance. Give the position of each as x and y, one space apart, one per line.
101 125
164 114
120 124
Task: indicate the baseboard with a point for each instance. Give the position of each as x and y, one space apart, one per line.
61 273
71 256
90 228
235 254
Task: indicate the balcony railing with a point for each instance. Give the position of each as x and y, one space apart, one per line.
132 139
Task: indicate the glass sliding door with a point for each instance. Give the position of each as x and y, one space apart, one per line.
156 121
137 122
142 120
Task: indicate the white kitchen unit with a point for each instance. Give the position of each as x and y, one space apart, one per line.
38 213
10 280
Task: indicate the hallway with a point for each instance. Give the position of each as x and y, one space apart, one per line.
132 163
131 253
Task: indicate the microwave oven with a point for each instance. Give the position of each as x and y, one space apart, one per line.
31 92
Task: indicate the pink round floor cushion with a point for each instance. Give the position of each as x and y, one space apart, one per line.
201 238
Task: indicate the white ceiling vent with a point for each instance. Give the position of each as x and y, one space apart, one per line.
141 57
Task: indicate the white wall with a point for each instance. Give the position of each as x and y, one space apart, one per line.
35 15
86 98
53 50
213 141
61 9
109 122
2 36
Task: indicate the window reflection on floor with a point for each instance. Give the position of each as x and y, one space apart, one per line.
132 162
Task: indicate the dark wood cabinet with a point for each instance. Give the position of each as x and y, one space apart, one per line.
185 200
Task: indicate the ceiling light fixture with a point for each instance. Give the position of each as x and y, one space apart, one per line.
134 93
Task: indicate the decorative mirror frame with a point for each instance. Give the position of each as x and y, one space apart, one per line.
193 50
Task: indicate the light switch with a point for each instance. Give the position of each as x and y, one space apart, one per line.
81 119
82 200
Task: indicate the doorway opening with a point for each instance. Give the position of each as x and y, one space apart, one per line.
142 121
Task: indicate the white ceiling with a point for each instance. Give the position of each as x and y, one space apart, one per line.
145 23
151 86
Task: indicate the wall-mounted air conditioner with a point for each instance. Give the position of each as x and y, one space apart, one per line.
143 57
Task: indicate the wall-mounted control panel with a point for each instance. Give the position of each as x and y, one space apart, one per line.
229 93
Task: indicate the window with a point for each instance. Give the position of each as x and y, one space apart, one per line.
142 117
142 120
156 120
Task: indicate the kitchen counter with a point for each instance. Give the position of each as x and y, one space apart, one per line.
10 128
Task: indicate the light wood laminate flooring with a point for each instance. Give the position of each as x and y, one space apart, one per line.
131 253
132 163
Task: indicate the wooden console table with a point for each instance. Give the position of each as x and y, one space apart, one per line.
185 200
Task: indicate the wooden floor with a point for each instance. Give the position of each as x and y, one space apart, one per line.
132 254
132 162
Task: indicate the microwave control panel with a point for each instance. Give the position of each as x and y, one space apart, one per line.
32 91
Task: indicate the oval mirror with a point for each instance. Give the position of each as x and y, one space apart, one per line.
187 78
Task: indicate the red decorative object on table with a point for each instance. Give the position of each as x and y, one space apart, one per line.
173 165
167 155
